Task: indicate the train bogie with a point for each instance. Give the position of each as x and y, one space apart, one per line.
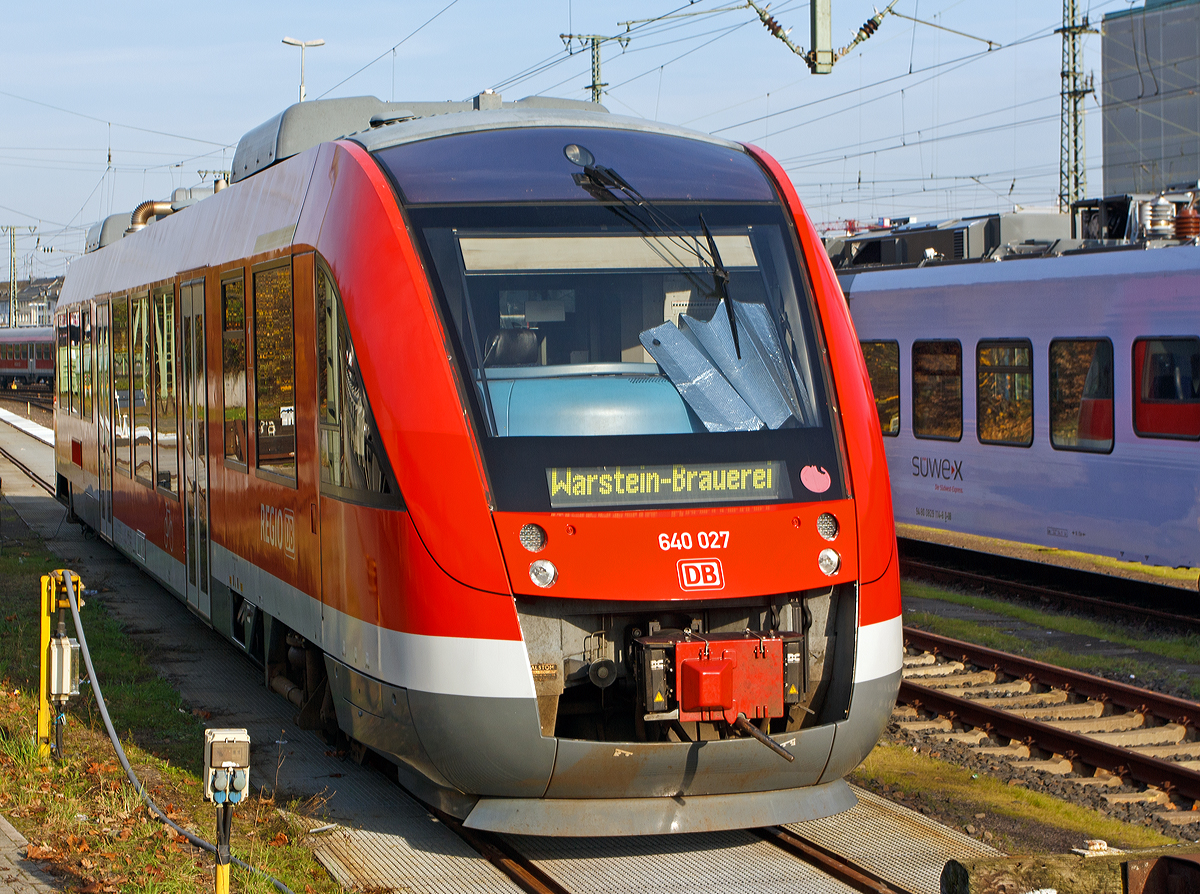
530 447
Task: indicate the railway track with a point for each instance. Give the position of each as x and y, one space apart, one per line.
38 397
1110 596
1078 727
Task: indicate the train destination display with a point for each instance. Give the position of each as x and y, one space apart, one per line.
679 483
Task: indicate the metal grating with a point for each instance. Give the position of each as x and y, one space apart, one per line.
724 862
422 861
893 842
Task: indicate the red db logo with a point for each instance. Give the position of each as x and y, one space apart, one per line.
700 574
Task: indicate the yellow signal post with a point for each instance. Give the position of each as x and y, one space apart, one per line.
53 599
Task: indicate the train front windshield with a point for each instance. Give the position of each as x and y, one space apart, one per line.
644 310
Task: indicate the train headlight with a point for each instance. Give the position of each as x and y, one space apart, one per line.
827 526
544 574
533 537
829 561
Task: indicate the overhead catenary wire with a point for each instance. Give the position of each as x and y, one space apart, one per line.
116 742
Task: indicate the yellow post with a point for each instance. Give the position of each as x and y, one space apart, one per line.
48 605
54 597
222 884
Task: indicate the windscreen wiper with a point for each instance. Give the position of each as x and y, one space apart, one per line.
721 282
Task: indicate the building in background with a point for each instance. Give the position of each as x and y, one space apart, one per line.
36 300
1151 98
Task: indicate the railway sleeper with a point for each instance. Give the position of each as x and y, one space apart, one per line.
1130 720
933 670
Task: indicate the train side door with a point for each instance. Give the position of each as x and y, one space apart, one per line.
195 447
104 429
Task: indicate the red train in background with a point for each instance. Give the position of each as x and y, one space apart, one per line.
529 446
26 356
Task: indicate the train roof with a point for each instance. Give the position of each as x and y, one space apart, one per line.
24 334
375 124
1137 259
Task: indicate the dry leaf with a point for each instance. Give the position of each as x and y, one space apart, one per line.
37 852
279 840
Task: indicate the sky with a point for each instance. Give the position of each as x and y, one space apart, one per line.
105 106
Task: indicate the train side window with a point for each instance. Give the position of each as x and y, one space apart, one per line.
122 405
74 360
166 407
937 390
883 367
143 388
86 334
1081 394
62 372
1004 392
354 464
274 372
1166 387
233 363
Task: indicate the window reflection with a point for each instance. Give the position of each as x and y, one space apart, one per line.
1081 395
122 420
143 390
233 364
1167 387
937 389
274 371
353 461
1004 410
166 411
883 368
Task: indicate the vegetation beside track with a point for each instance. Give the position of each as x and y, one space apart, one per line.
1008 817
1145 672
84 822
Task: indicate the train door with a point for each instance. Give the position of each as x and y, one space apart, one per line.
195 446
104 412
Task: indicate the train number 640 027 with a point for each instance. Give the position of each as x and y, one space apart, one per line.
704 540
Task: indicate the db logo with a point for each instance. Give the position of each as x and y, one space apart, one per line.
700 574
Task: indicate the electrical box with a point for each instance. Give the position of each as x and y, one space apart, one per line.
226 765
64 668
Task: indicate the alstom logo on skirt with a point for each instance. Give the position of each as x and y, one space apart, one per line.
946 469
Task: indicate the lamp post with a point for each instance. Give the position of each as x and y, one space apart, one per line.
303 45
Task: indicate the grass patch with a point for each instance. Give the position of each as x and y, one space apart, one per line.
1176 648
84 822
1024 820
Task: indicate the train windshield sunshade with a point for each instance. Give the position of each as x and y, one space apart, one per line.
609 331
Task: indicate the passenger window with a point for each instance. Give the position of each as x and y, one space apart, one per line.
122 419
1166 401
143 389
86 330
354 464
62 372
1004 392
1081 394
274 371
233 363
166 409
937 389
883 367
74 360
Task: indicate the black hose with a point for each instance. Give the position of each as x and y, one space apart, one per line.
133 780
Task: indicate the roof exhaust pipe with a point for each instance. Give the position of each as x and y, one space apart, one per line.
143 212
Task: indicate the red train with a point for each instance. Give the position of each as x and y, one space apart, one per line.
530 446
26 356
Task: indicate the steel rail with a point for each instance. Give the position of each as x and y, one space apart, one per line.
33 476
1121 761
1167 707
526 874
829 862
1135 614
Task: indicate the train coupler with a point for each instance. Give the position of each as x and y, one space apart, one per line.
716 678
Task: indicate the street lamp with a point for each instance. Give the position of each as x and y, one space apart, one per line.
303 44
